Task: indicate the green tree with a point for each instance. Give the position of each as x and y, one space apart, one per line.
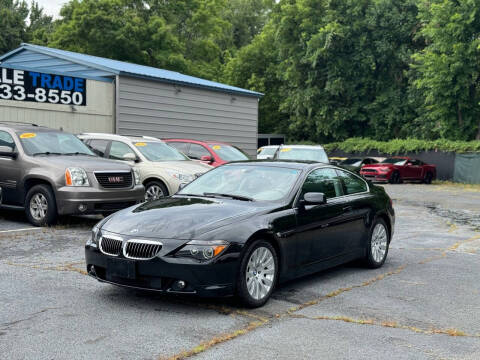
447 69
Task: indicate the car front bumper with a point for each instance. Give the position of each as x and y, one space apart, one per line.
376 177
160 274
91 200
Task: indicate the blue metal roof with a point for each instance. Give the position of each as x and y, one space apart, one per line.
115 67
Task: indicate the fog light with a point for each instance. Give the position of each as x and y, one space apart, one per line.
82 207
180 285
92 271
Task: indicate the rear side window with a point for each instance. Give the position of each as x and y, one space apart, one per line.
197 151
6 140
99 147
353 184
323 181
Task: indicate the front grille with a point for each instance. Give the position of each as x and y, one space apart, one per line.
370 171
141 249
114 180
111 245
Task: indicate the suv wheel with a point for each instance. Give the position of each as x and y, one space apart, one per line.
155 190
40 206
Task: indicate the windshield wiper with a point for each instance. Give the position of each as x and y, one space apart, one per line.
231 196
78 153
46 153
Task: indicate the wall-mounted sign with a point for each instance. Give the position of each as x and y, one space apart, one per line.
22 85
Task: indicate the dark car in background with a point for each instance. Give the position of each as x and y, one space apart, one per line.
243 227
214 153
397 169
50 172
355 164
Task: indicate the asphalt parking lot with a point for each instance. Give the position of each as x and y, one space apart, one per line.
423 304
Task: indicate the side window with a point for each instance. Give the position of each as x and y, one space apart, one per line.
180 146
99 147
6 140
353 184
324 181
118 150
197 151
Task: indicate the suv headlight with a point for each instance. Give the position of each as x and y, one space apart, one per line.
136 176
184 178
202 250
75 176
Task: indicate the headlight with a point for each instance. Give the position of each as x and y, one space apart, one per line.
202 250
96 233
75 176
136 175
184 178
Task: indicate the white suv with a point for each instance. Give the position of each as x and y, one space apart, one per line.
293 152
162 168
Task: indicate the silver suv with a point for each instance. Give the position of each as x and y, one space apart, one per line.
162 168
50 172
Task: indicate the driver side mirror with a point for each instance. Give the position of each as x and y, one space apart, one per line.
409 164
129 157
7 151
314 198
207 159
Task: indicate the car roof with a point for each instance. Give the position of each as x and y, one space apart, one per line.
294 146
196 141
118 137
27 127
292 164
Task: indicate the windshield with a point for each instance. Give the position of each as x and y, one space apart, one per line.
395 161
158 151
352 162
228 152
259 183
55 143
306 154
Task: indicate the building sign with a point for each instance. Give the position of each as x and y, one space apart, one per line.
22 85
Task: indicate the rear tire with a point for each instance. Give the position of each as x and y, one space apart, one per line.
377 245
258 274
428 178
40 206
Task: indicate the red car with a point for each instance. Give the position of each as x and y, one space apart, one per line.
214 153
395 170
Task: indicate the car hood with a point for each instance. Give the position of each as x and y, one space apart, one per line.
88 163
185 167
180 217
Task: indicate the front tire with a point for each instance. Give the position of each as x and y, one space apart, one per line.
377 245
155 190
395 178
40 206
258 274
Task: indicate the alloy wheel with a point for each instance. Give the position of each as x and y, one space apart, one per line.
379 243
38 206
153 192
260 273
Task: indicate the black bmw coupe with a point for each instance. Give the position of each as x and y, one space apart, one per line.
242 228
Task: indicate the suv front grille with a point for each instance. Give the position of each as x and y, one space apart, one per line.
114 180
111 245
141 249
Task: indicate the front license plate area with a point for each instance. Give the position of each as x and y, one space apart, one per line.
122 268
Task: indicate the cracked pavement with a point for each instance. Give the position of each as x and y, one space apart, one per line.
423 303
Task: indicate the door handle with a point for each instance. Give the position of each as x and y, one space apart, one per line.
347 208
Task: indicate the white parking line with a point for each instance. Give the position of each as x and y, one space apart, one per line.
24 229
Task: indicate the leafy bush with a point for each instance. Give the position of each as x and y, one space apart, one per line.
399 146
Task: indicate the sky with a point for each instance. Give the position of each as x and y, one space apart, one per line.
51 7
